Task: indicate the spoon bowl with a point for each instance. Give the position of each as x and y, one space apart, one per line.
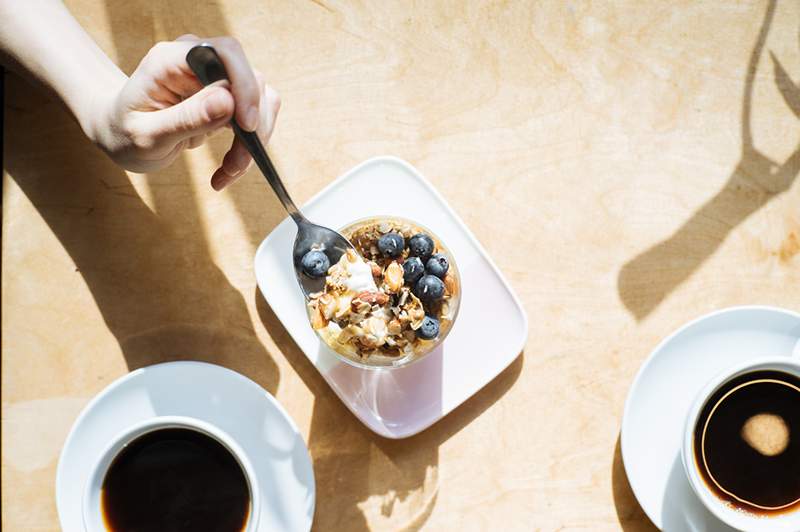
312 236
209 68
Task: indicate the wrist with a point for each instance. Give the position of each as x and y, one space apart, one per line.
97 114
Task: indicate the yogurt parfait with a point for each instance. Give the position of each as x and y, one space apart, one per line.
391 302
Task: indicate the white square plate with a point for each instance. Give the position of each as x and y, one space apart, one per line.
489 333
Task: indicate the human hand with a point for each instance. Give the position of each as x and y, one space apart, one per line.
163 109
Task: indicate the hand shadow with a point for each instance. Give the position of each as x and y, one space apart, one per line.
358 471
645 281
150 272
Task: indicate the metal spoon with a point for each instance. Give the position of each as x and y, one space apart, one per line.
208 67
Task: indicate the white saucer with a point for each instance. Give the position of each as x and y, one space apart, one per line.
214 394
490 332
664 388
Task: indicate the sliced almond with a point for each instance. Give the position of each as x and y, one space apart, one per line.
450 284
356 318
403 297
343 306
327 305
318 321
393 277
376 270
361 307
349 332
373 298
395 327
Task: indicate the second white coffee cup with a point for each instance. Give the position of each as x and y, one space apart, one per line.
736 518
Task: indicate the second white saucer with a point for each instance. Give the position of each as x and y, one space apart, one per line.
659 399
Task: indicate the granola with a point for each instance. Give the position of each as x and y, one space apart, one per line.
395 298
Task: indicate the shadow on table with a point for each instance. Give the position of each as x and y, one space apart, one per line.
630 514
150 271
646 280
156 286
681 510
349 471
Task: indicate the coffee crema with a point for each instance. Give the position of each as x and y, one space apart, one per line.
175 479
747 442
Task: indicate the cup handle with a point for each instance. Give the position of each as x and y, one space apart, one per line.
796 350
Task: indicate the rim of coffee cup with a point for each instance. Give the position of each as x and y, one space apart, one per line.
722 399
737 519
92 503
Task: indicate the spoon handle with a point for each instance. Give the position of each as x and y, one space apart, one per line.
207 66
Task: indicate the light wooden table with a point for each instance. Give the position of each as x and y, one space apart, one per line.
629 165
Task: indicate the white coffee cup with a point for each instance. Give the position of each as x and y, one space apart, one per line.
92 503
736 518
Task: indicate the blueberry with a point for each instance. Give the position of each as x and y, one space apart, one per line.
412 270
430 288
421 245
437 265
391 245
429 329
315 263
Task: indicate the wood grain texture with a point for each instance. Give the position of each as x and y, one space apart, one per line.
629 165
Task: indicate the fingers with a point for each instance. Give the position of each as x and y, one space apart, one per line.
201 113
237 161
244 86
234 165
167 60
271 105
170 109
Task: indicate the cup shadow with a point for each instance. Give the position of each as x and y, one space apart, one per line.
629 513
359 471
681 510
650 277
382 396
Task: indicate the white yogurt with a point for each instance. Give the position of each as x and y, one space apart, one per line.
359 276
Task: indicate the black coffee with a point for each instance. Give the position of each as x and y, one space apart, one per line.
752 442
177 480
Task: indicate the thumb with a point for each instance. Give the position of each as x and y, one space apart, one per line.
203 112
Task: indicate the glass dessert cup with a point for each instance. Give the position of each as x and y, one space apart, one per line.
377 311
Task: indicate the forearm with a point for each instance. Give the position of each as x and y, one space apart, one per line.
145 121
42 41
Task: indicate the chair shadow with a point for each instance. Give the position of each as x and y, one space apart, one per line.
646 280
349 471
